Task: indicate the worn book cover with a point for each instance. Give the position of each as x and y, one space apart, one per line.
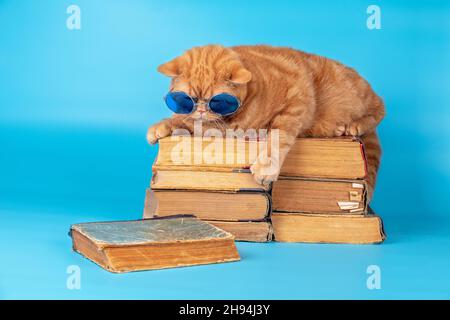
330 196
226 212
323 228
205 180
123 246
209 205
250 231
341 158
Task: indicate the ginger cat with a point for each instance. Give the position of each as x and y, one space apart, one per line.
300 94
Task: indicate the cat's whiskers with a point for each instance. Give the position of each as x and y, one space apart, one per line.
220 123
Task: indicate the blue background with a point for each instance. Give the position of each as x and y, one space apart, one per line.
75 106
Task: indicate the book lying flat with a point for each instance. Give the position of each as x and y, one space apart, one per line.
123 246
238 206
341 158
252 231
205 180
316 228
319 196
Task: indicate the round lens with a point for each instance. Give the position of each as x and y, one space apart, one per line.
179 102
224 104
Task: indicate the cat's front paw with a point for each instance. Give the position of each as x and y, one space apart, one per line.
265 171
158 131
353 129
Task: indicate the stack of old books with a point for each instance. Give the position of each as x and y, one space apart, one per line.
210 179
319 197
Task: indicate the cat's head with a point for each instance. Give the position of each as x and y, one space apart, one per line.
203 72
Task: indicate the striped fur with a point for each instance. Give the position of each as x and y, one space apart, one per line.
301 94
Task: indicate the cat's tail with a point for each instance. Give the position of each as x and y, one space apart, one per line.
372 151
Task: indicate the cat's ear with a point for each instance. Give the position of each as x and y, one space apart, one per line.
240 76
171 68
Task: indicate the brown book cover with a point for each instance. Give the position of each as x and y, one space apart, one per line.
251 231
341 158
319 196
124 246
319 228
205 180
208 205
338 158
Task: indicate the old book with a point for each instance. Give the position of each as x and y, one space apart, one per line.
301 227
205 180
319 196
228 206
341 158
123 246
252 231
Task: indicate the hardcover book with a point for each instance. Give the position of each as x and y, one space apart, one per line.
319 196
253 231
341 158
226 206
323 228
244 215
124 246
205 180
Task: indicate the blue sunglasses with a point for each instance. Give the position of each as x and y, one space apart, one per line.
223 103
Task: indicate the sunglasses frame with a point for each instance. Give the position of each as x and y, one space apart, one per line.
205 102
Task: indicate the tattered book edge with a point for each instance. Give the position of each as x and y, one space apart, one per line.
370 214
150 211
108 268
102 245
218 190
356 184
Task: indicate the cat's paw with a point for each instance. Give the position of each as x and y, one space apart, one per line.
354 129
265 172
158 131
340 130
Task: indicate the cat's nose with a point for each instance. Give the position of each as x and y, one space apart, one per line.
201 109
